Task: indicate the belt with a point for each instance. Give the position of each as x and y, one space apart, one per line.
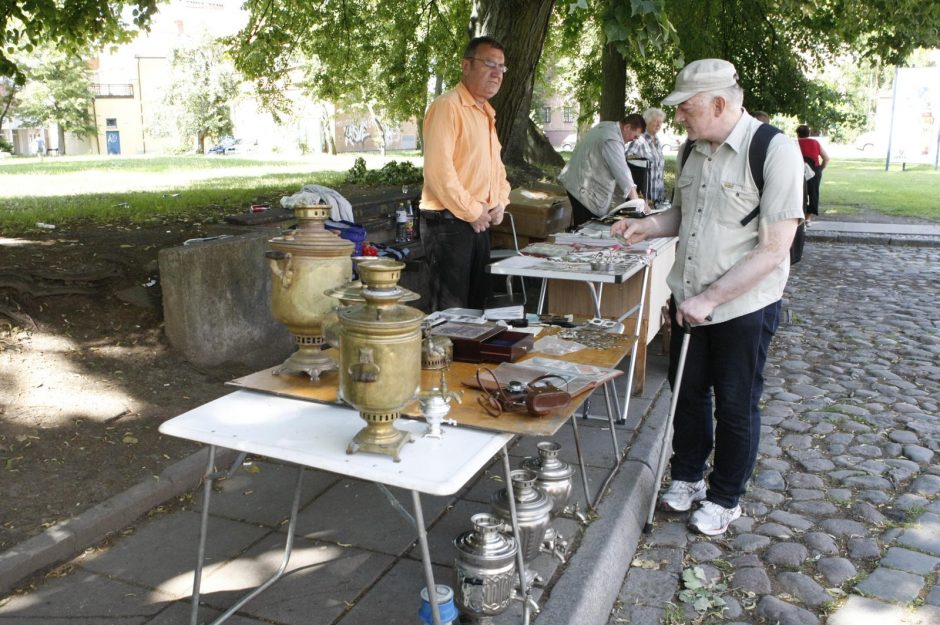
438 215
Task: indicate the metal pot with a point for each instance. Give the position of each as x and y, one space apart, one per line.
533 511
305 262
380 352
554 476
485 566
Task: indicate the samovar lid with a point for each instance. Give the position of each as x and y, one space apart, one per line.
547 465
485 539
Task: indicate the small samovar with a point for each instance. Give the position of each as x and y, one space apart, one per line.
486 569
533 511
380 352
306 262
437 352
554 476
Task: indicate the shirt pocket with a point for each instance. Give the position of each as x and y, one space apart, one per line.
737 202
684 188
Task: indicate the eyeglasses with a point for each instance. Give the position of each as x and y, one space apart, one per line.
490 64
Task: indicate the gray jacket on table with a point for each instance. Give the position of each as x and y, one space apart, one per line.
597 167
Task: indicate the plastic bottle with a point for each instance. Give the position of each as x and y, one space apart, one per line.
401 225
411 222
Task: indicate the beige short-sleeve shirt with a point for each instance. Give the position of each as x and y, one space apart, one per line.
715 191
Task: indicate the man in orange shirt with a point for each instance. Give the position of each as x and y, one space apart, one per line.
465 187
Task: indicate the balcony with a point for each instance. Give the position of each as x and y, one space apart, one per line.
113 90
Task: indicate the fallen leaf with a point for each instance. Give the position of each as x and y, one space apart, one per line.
130 440
253 469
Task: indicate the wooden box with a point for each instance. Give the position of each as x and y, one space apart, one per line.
485 343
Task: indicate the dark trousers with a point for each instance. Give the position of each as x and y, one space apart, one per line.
725 361
812 207
457 258
579 212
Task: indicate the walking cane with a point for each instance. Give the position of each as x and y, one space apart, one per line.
667 437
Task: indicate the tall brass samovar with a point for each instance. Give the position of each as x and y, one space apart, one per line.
380 356
306 262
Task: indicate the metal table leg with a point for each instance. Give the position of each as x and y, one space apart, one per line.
636 343
577 446
520 561
542 291
426 558
203 533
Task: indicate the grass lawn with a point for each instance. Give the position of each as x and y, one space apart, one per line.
141 190
851 185
860 185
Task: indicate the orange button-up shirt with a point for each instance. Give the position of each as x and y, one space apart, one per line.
462 164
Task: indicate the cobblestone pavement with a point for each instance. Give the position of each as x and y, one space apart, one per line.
841 520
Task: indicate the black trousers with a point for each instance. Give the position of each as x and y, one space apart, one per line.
457 257
579 212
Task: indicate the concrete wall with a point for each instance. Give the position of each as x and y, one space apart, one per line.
217 302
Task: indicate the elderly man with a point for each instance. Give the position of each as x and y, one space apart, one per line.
598 166
728 278
465 187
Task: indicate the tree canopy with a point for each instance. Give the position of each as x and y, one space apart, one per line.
67 25
398 54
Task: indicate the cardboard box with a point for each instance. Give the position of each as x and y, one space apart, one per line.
537 213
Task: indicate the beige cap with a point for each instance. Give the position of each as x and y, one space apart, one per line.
699 76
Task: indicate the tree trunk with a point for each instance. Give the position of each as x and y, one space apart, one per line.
327 127
521 26
60 135
538 149
614 85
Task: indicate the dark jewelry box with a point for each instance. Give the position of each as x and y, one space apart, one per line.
486 342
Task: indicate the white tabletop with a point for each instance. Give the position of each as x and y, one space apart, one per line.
538 267
316 435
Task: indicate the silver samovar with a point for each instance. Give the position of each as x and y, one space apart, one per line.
486 569
554 476
437 352
533 511
380 356
305 262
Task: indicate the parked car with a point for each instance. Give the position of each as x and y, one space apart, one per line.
868 141
227 145
568 143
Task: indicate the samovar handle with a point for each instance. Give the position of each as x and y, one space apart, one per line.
365 370
285 275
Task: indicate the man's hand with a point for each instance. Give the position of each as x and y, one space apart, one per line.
695 310
631 230
483 221
496 214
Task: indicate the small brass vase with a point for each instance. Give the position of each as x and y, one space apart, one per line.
380 352
305 263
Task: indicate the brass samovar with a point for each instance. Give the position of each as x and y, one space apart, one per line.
306 262
380 352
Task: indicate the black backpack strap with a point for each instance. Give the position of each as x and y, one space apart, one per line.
756 156
687 150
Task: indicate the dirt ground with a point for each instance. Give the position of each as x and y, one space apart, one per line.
86 373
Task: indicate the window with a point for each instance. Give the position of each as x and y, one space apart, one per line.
568 115
546 114
110 122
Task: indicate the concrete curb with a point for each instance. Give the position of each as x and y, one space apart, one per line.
588 589
69 538
872 238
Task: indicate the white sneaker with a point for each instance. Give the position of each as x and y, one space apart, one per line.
712 520
681 495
